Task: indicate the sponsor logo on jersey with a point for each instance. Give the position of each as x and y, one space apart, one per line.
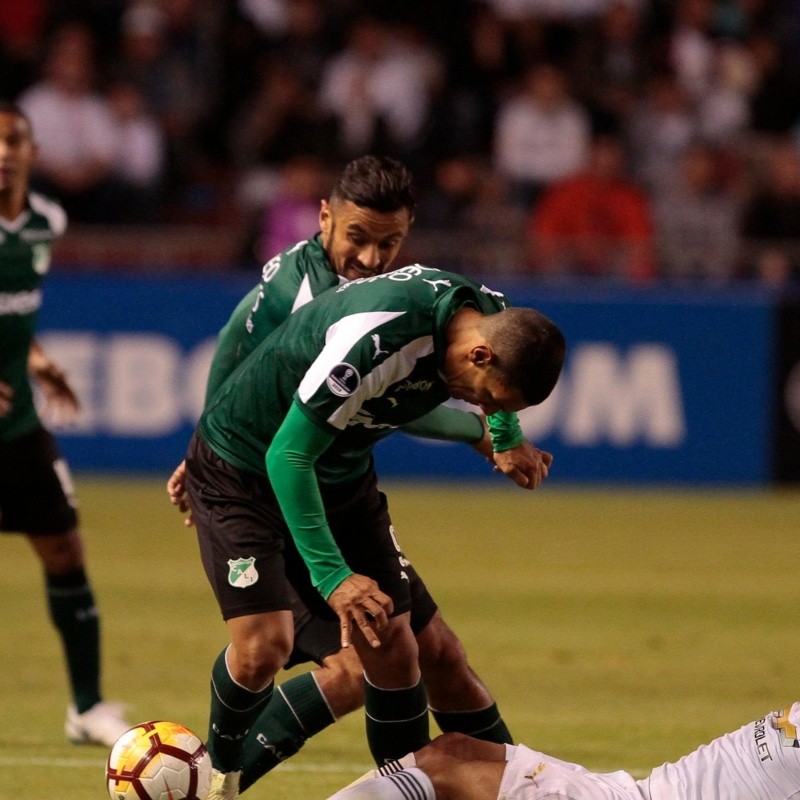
33 235
788 731
20 302
243 572
376 340
437 283
343 380
414 386
40 258
760 740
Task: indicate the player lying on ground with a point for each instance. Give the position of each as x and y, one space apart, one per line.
760 761
362 227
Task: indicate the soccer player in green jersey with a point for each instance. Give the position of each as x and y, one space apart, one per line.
362 227
310 403
36 495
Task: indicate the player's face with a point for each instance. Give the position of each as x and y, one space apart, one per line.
17 152
479 383
361 242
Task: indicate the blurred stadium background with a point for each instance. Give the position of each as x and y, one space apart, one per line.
631 167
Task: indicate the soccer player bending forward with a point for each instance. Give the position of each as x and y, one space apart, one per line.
760 761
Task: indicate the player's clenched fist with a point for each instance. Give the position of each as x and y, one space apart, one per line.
358 599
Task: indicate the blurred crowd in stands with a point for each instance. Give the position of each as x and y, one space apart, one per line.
633 140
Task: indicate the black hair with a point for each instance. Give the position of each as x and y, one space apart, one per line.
7 107
377 182
529 348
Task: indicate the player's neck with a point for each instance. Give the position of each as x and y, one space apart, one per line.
463 325
12 203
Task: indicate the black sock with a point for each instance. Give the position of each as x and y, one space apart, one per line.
72 609
486 724
296 712
233 710
397 720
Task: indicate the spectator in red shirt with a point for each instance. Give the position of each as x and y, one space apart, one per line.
596 223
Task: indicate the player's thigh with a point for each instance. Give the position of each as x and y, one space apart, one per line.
241 535
36 491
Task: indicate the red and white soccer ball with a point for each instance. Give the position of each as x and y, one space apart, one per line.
158 761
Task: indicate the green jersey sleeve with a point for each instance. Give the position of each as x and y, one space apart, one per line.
505 431
290 461
447 424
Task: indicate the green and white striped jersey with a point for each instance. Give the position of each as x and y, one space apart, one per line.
25 245
289 280
360 361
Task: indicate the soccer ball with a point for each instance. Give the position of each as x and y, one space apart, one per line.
158 761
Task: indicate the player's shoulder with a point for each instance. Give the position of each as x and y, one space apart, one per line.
47 210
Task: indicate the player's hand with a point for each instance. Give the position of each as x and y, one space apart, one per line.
525 464
61 404
6 396
358 599
176 489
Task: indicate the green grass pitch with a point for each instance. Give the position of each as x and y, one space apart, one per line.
617 628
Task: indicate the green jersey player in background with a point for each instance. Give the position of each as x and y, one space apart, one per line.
362 227
310 402
36 495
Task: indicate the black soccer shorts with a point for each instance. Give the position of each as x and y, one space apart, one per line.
249 555
36 494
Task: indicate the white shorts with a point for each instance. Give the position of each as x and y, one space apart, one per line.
530 775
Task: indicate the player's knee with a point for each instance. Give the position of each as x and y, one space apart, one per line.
341 680
258 659
440 649
61 553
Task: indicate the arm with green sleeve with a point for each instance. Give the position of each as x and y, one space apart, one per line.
447 424
290 461
505 431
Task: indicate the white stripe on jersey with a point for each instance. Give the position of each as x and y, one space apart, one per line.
396 367
340 338
55 215
303 295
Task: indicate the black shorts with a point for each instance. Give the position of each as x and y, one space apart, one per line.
36 494
315 638
249 555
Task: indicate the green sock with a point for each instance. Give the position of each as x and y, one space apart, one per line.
397 720
72 609
486 724
296 712
233 710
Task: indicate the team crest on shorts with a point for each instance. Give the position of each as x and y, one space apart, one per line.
243 572
343 380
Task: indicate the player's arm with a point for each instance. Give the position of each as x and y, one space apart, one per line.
290 460
514 455
61 402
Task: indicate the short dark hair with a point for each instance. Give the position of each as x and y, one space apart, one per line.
529 348
377 182
7 107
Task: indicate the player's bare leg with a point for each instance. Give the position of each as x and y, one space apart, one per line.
241 685
458 698
452 767
73 612
395 704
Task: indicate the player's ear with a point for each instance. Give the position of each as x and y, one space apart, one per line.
481 355
324 216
